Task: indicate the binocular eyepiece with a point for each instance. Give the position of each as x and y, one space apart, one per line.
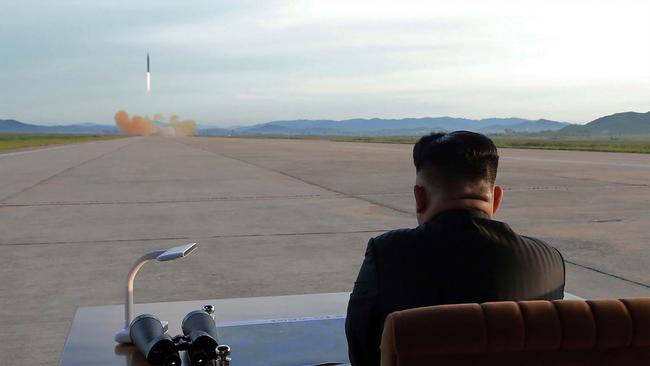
199 339
201 334
148 335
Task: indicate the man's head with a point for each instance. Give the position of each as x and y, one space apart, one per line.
455 170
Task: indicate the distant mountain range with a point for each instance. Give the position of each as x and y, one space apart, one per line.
628 123
390 127
13 126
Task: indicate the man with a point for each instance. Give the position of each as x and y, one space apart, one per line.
457 254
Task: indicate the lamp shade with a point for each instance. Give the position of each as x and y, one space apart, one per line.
176 252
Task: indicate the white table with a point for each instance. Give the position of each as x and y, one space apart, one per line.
90 341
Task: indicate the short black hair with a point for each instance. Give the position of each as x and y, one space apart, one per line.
457 157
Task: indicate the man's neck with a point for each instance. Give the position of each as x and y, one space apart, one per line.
469 204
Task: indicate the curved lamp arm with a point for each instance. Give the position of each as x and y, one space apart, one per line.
160 255
130 278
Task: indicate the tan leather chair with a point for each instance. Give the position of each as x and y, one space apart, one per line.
563 332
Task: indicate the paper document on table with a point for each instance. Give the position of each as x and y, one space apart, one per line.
286 342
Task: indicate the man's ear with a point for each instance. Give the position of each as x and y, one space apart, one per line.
498 196
421 198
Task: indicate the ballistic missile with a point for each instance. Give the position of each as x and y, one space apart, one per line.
148 75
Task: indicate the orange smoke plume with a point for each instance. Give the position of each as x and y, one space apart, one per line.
134 126
185 128
143 126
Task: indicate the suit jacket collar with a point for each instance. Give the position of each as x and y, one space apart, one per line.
457 213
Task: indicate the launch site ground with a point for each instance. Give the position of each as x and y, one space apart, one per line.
272 217
11 142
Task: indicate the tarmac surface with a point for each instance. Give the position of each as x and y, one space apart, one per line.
272 217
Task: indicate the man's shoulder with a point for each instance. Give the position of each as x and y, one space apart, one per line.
540 243
501 230
395 237
487 230
502 233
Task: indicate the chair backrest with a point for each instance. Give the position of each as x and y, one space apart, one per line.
562 332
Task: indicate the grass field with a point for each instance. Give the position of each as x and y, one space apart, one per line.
20 141
628 145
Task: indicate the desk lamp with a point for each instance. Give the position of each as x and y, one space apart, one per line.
160 255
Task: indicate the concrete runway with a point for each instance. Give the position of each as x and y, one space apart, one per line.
271 217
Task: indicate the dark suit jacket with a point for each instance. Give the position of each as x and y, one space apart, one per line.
459 256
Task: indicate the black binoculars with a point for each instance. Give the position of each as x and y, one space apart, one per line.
199 339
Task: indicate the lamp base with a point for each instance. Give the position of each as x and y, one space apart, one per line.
122 336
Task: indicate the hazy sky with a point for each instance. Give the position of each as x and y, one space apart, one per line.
242 62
